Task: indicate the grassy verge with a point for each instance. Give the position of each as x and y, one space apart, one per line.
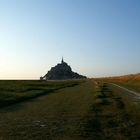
129 82
132 85
112 116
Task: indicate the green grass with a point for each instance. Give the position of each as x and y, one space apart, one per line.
89 111
16 91
55 116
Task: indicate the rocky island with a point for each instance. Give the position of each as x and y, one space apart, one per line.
62 71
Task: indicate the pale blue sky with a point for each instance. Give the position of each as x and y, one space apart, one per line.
96 37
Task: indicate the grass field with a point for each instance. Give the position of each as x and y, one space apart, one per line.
83 110
17 91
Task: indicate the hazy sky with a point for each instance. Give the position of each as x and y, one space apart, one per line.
96 37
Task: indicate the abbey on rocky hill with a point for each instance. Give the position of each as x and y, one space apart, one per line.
61 71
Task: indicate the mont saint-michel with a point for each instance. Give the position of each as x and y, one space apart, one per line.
62 71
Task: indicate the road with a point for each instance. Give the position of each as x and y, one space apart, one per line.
136 94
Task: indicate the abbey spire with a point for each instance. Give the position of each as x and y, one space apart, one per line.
62 61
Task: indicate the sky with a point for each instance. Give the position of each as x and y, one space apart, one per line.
97 38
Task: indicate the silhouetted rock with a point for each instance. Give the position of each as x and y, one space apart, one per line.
61 71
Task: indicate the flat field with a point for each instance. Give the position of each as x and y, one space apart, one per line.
16 91
68 110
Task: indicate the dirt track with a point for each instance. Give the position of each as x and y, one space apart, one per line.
136 94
